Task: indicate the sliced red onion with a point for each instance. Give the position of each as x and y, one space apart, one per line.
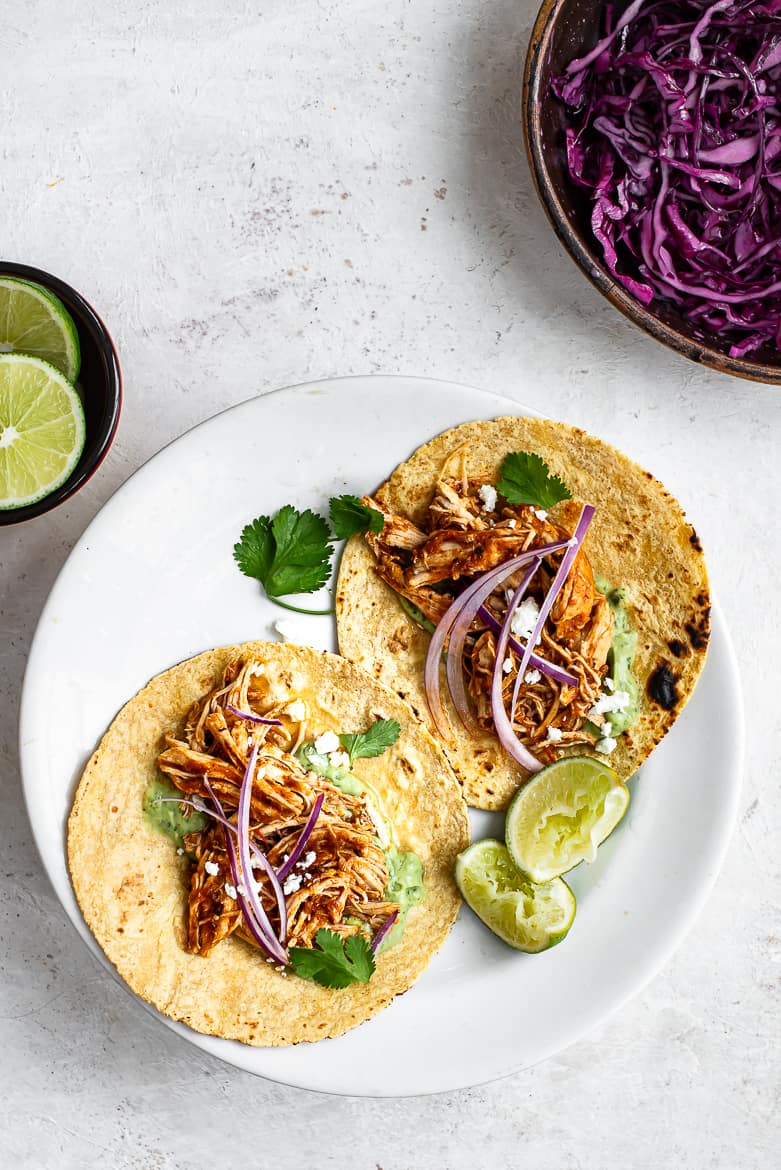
304 836
267 941
562 572
447 622
504 728
542 664
467 614
218 813
383 932
243 840
251 718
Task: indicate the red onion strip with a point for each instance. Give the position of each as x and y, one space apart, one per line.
504 728
562 572
268 942
251 718
446 623
558 673
254 901
304 836
466 615
382 933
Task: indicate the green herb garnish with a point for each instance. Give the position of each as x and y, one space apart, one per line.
365 745
289 553
349 515
334 962
525 478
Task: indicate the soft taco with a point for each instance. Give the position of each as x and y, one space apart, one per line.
617 602
263 844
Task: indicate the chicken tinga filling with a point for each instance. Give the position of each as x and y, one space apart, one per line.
536 648
288 849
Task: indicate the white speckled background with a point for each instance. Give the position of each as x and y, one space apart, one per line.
258 194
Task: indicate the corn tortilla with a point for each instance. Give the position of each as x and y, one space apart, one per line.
639 540
132 887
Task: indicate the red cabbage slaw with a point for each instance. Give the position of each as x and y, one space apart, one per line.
675 132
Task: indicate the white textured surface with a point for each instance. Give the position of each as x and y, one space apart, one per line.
242 191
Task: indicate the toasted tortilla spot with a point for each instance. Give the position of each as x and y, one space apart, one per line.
662 687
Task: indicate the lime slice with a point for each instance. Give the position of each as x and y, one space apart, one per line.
35 321
563 814
528 916
42 429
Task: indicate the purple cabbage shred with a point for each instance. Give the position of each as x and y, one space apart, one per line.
675 133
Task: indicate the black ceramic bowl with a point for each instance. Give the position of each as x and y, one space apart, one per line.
100 383
566 29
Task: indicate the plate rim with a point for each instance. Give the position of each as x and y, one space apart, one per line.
698 896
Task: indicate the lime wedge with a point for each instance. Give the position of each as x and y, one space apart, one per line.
42 429
563 814
528 916
35 321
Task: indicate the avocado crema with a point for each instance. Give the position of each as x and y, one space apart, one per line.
620 657
405 881
163 812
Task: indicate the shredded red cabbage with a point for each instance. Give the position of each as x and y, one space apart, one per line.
675 133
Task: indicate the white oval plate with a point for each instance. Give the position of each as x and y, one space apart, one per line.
152 581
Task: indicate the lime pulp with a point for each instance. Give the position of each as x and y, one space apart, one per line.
34 321
561 816
528 916
42 429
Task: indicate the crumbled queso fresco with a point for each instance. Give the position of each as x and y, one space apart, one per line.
525 618
488 494
618 701
292 883
327 742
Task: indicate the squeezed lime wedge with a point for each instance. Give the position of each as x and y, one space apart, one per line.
563 814
35 321
527 915
42 429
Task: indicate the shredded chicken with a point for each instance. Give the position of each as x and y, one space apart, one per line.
462 538
341 879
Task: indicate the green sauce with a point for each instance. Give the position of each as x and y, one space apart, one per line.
169 818
405 880
339 777
620 657
405 886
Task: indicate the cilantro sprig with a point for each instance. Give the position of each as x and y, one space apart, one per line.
289 553
365 745
349 515
333 961
525 478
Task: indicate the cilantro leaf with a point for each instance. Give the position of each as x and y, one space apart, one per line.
382 734
288 553
333 962
525 478
349 515
254 553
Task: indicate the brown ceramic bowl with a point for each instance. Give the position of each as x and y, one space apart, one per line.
565 29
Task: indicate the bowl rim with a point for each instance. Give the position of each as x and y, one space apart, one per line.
539 44
113 379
